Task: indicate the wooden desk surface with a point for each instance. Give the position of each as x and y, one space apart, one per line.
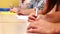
9 24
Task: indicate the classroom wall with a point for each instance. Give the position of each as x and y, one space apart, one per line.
7 3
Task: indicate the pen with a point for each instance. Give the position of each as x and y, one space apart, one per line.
36 10
37 7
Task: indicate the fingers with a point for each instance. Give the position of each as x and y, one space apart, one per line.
33 26
32 31
31 18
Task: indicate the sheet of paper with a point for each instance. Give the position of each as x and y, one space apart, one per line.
22 17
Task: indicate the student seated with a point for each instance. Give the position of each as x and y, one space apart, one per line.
29 7
21 8
47 22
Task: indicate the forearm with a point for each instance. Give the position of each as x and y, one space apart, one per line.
27 11
53 17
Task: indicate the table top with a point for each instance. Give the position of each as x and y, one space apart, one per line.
9 24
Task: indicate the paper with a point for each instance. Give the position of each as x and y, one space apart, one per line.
22 17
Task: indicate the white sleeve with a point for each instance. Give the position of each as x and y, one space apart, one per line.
40 3
27 1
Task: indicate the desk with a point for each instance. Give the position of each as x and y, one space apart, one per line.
9 24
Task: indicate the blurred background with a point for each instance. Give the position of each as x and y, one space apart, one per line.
9 24
7 3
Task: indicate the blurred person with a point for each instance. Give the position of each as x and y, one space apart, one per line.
49 22
28 7
15 9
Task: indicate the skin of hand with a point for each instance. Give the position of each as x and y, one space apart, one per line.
45 24
42 26
32 17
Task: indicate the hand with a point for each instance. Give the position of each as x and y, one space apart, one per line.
45 24
32 17
43 27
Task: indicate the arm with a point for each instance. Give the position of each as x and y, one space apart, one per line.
53 17
27 8
27 11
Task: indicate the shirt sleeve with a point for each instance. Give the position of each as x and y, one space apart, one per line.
40 4
31 4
